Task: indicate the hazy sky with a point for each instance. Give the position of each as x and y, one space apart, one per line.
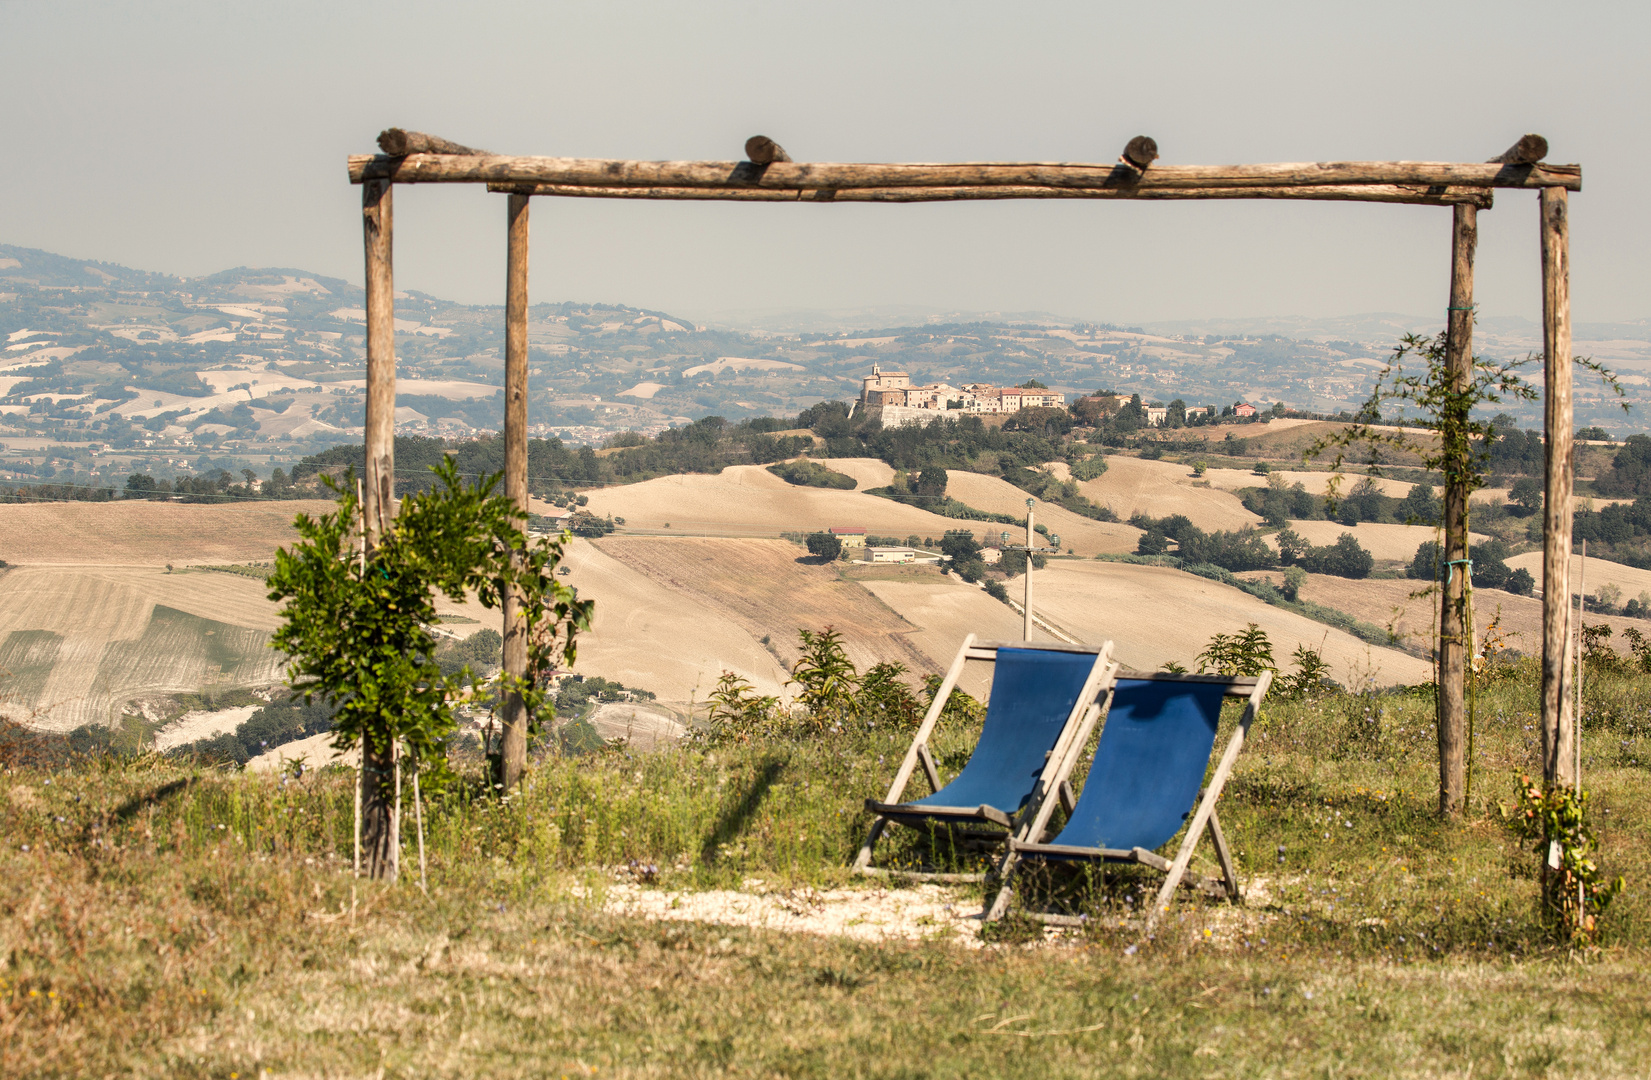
191 138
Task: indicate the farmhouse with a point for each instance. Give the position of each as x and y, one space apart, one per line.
1242 409
852 536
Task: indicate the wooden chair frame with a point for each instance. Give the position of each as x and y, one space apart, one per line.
1204 819
1063 757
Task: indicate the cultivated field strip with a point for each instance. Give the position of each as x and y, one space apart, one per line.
148 533
762 586
77 642
1156 615
1161 488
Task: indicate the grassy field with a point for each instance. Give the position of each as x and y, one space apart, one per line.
164 921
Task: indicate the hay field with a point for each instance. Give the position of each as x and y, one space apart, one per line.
666 640
1388 602
941 611
1316 482
770 589
1155 614
1382 541
148 533
77 642
1161 488
646 633
1630 580
1084 535
748 500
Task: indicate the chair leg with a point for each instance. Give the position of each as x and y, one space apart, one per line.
863 860
999 905
1224 855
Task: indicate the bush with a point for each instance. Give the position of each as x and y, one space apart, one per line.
1521 583
1294 578
805 473
1152 543
996 591
1345 558
823 546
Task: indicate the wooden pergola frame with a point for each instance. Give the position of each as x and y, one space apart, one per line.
769 175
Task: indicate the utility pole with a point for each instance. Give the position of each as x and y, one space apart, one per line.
1029 547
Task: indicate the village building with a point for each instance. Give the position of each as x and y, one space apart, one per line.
1156 415
1242 409
852 536
902 403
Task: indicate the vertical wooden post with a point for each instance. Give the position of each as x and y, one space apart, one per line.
378 825
1453 645
1026 633
514 715
1558 722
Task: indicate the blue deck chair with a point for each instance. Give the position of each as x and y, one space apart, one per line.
1146 779
1042 710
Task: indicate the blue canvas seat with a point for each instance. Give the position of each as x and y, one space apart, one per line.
1145 781
1041 711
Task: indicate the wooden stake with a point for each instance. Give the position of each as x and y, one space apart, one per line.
514 713
1529 150
1581 624
378 508
1557 717
378 815
1452 645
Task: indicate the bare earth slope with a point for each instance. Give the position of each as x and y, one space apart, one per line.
748 500
1084 535
1388 602
1630 580
649 635
771 589
148 533
1161 488
1155 615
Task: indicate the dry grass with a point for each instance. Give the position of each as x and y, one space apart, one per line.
165 922
79 641
1155 615
748 500
1084 535
1162 488
148 533
772 588
1388 602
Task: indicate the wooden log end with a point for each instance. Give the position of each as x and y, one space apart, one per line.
1529 150
761 150
1140 152
397 142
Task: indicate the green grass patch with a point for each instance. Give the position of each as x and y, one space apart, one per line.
169 920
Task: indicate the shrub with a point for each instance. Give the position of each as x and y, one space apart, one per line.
1294 578
823 546
805 473
1248 652
1344 558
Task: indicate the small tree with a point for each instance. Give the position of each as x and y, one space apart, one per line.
824 546
357 626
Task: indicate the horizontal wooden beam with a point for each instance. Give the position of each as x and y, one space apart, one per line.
1385 193
395 142
785 175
